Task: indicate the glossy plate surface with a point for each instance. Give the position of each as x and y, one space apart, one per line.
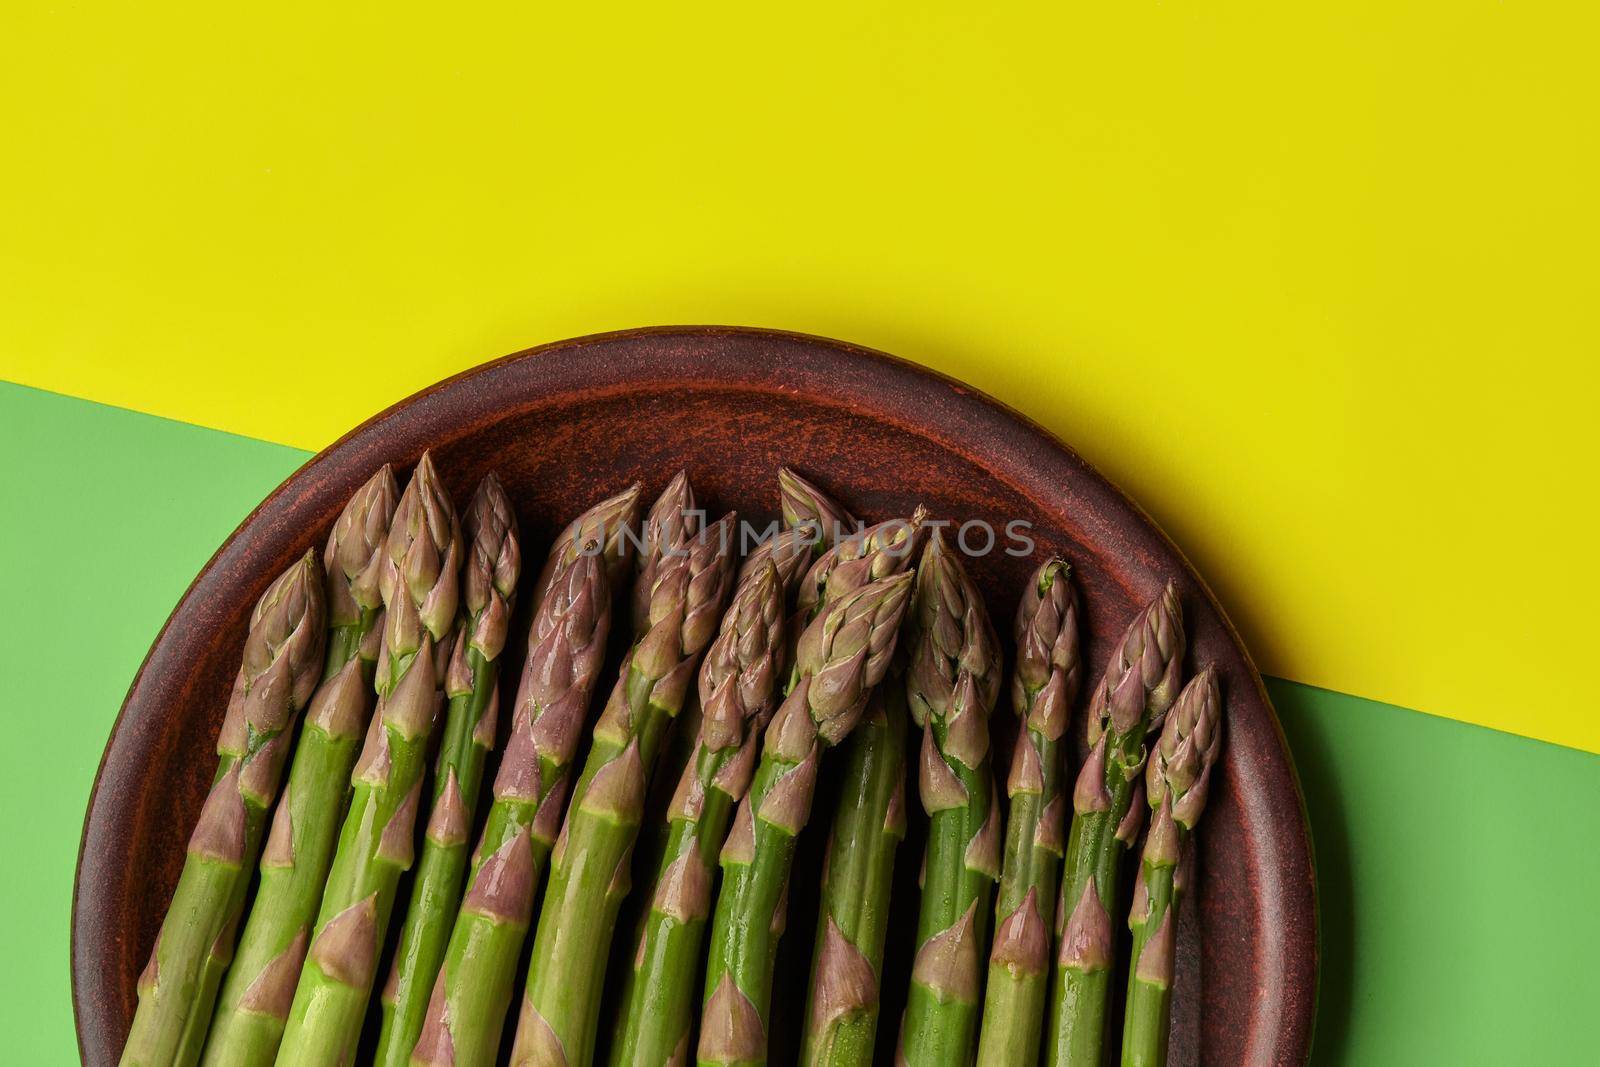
570 422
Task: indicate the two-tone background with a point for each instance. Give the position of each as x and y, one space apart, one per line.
1316 285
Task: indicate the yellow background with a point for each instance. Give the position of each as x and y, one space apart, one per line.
1314 283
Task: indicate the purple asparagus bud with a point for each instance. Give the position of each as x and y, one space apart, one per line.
739 674
955 653
420 583
282 659
787 550
353 557
566 649
672 521
494 560
1048 663
690 588
606 530
1180 763
807 508
876 552
847 650
1141 678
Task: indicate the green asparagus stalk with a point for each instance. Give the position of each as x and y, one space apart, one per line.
840 657
488 588
282 661
869 823
1132 698
1043 688
857 875
664 526
254 1003
566 648
671 516
951 685
420 587
737 683
1176 784
590 865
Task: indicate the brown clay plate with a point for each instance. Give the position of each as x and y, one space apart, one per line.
569 422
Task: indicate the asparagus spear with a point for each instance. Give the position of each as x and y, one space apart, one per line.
951 687
737 682
670 518
664 526
857 875
1176 784
420 591
812 522
869 823
1043 688
255 997
789 553
281 664
566 647
840 657
1139 685
489 582
590 865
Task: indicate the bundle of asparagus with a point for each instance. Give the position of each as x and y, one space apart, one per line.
736 689
708 769
1043 687
566 645
489 582
1139 685
281 664
406 605
256 997
840 657
420 587
590 870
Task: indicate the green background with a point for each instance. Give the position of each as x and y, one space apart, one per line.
1447 854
